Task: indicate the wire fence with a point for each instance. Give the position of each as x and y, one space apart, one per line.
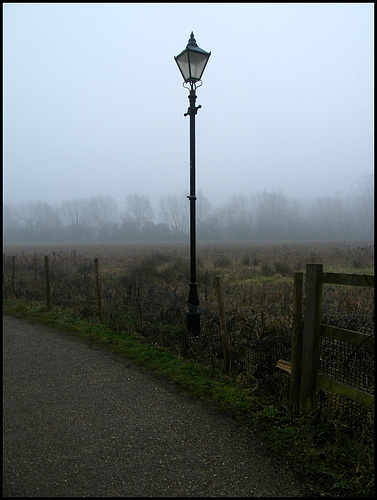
134 303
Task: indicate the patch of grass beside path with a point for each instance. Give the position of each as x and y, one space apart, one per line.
334 460
207 383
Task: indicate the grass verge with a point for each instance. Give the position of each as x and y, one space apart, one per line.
335 461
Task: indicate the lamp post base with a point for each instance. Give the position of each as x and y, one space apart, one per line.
193 314
193 323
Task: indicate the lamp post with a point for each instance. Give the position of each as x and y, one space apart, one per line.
191 63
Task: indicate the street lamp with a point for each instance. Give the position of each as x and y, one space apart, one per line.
191 63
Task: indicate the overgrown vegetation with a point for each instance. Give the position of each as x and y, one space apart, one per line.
337 460
257 278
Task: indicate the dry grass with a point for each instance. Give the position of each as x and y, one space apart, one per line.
144 288
258 278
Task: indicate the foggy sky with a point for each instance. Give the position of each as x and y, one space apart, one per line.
94 103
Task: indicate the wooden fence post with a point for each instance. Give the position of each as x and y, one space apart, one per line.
47 281
294 389
12 278
223 329
98 291
311 336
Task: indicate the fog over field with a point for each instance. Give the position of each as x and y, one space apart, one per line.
94 122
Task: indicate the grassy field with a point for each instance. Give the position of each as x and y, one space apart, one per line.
258 285
257 278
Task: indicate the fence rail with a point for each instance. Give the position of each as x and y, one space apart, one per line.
360 397
347 279
356 338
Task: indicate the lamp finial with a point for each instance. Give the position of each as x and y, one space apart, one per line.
192 41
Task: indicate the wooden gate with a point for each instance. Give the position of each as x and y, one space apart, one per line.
303 368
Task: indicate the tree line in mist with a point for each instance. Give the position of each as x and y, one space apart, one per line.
262 216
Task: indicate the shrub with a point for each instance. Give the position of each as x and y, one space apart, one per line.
266 270
282 268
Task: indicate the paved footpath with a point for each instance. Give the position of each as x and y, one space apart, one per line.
81 421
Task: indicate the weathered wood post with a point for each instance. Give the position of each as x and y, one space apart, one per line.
98 291
223 328
311 336
12 278
47 282
296 351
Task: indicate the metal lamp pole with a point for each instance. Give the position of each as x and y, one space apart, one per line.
191 63
193 314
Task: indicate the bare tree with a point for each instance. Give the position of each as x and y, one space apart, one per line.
76 216
104 213
174 211
238 216
138 210
275 215
11 222
75 212
330 217
362 201
204 211
239 210
41 221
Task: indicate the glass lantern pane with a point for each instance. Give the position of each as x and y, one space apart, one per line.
183 65
197 64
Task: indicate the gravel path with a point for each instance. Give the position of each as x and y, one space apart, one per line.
81 421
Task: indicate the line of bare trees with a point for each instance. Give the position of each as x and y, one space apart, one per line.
267 215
